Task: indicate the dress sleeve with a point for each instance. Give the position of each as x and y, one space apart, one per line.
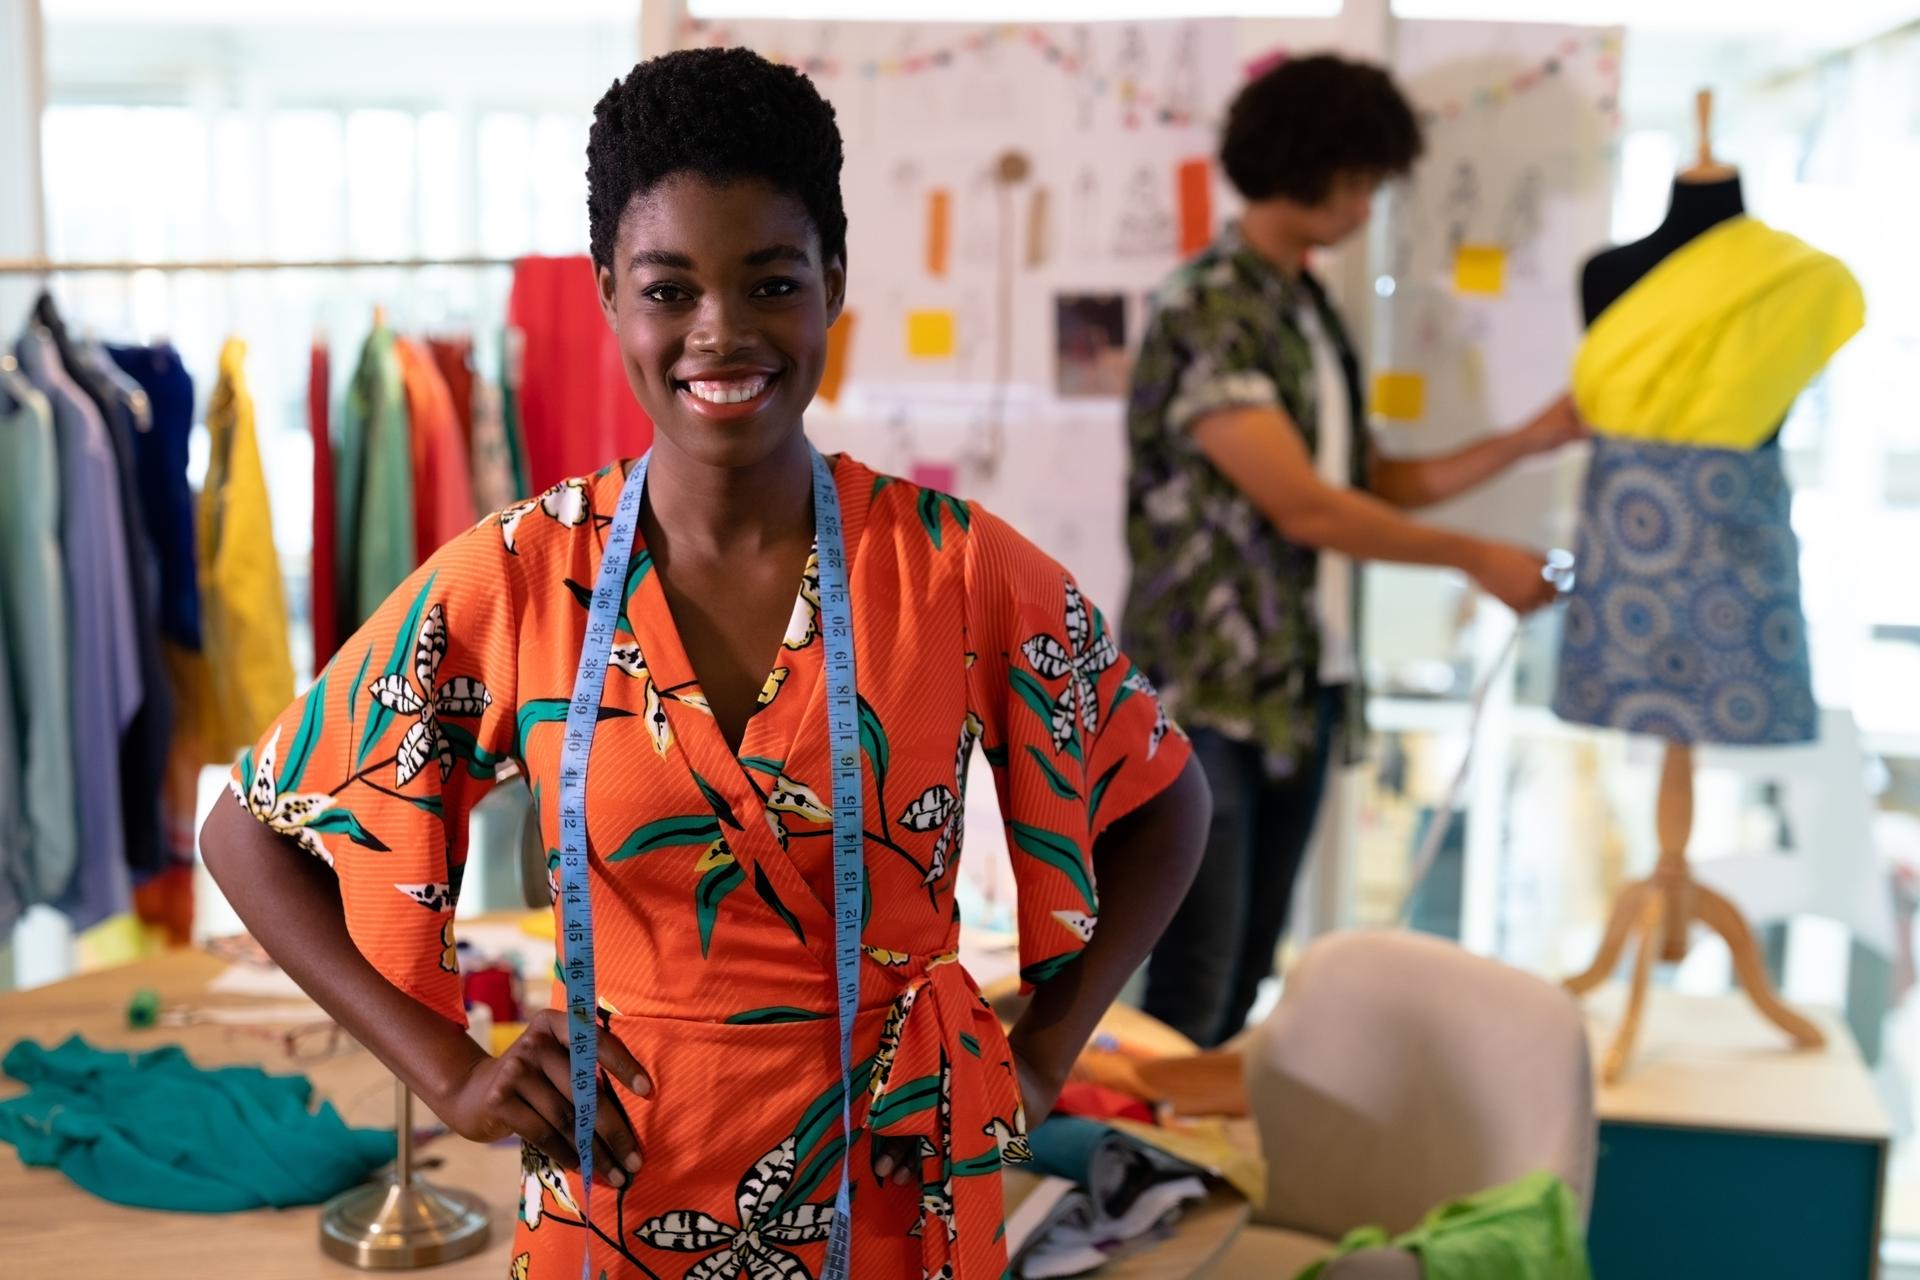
375 768
1075 733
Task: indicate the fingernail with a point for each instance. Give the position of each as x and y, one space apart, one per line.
642 1086
883 1167
633 1162
616 1177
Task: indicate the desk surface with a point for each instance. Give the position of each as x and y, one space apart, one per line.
1712 1062
48 1223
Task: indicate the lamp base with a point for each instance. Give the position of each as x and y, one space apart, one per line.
395 1226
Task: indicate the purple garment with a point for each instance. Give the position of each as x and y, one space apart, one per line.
106 653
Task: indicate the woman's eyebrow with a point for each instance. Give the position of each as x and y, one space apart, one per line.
778 253
660 258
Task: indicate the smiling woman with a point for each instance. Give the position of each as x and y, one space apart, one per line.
713 830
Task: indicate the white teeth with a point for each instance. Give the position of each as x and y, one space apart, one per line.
737 391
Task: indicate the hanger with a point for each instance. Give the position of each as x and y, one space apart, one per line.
1706 167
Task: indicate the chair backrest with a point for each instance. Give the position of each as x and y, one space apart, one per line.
1399 1072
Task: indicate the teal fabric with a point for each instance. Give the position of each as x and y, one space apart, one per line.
1524 1230
373 484
154 1131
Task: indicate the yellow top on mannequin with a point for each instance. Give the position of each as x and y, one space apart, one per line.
1711 347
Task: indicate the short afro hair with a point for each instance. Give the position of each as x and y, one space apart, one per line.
722 115
1296 126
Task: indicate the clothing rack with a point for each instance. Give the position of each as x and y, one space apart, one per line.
49 267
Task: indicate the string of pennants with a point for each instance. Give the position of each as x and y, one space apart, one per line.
1141 102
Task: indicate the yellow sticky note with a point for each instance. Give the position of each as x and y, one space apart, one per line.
1399 397
930 335
1480 268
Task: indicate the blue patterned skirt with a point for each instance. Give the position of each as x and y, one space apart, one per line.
1685 619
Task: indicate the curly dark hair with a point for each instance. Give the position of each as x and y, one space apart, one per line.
723 114
1292 129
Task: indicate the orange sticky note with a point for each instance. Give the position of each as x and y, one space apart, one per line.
930 335
1480 268
1399 396
839 339
1194 181
939 214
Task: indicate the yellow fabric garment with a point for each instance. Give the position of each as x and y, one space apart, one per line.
1711 346
244 674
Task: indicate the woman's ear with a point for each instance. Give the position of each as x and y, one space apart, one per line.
608 289
835 279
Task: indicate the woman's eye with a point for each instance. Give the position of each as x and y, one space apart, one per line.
777 289
664 293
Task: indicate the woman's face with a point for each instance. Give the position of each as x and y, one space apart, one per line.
721 304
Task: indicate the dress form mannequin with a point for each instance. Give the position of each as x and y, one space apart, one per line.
1660 909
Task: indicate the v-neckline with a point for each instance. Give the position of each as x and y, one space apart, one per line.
727 777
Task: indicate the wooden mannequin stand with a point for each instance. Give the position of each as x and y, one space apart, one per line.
1658 912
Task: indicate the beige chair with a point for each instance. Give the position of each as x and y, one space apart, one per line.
1397 1073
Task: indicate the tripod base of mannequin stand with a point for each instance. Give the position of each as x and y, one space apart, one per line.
1655 914
390 1226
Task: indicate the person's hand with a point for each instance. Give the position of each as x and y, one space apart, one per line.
1556 425
528 1091
1513 575
1039 1088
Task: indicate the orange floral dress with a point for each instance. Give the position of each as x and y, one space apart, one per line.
711 871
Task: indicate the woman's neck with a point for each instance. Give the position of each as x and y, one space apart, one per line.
717 511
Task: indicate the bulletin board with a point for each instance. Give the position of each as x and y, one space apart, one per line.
1476 263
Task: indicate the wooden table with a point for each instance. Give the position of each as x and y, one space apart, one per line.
49 1227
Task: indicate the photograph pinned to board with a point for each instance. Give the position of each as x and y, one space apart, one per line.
1090 345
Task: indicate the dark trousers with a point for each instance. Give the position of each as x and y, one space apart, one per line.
1206 971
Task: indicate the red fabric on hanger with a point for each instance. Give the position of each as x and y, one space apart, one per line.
323 611
455 357
442 481
576 411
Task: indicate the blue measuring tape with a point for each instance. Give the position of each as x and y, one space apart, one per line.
849 826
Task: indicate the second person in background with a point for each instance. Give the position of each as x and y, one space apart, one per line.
1253 491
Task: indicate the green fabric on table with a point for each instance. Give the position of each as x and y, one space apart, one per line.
154 1131
1528 1229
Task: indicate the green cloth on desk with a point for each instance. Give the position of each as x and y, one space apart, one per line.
154 1131
1525 1230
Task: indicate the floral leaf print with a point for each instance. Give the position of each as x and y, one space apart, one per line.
890 959
567 503
798 799
752 1243
311 718
761 764
627 659
1033 693
541 711
541 1178
720 875
353 694
380 716
1078 925
880 483
1011 1138
659 728
449 952
518 1269
1055 780
1058 852
936 809
932 505
284 813
873 741
776 681
1088 652
668 833
1099 791
774 1014
715 801
460 696
804 626
1046 970
344 822
481 763
434 897
764 887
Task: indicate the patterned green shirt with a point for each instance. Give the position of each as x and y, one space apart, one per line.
1221 612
